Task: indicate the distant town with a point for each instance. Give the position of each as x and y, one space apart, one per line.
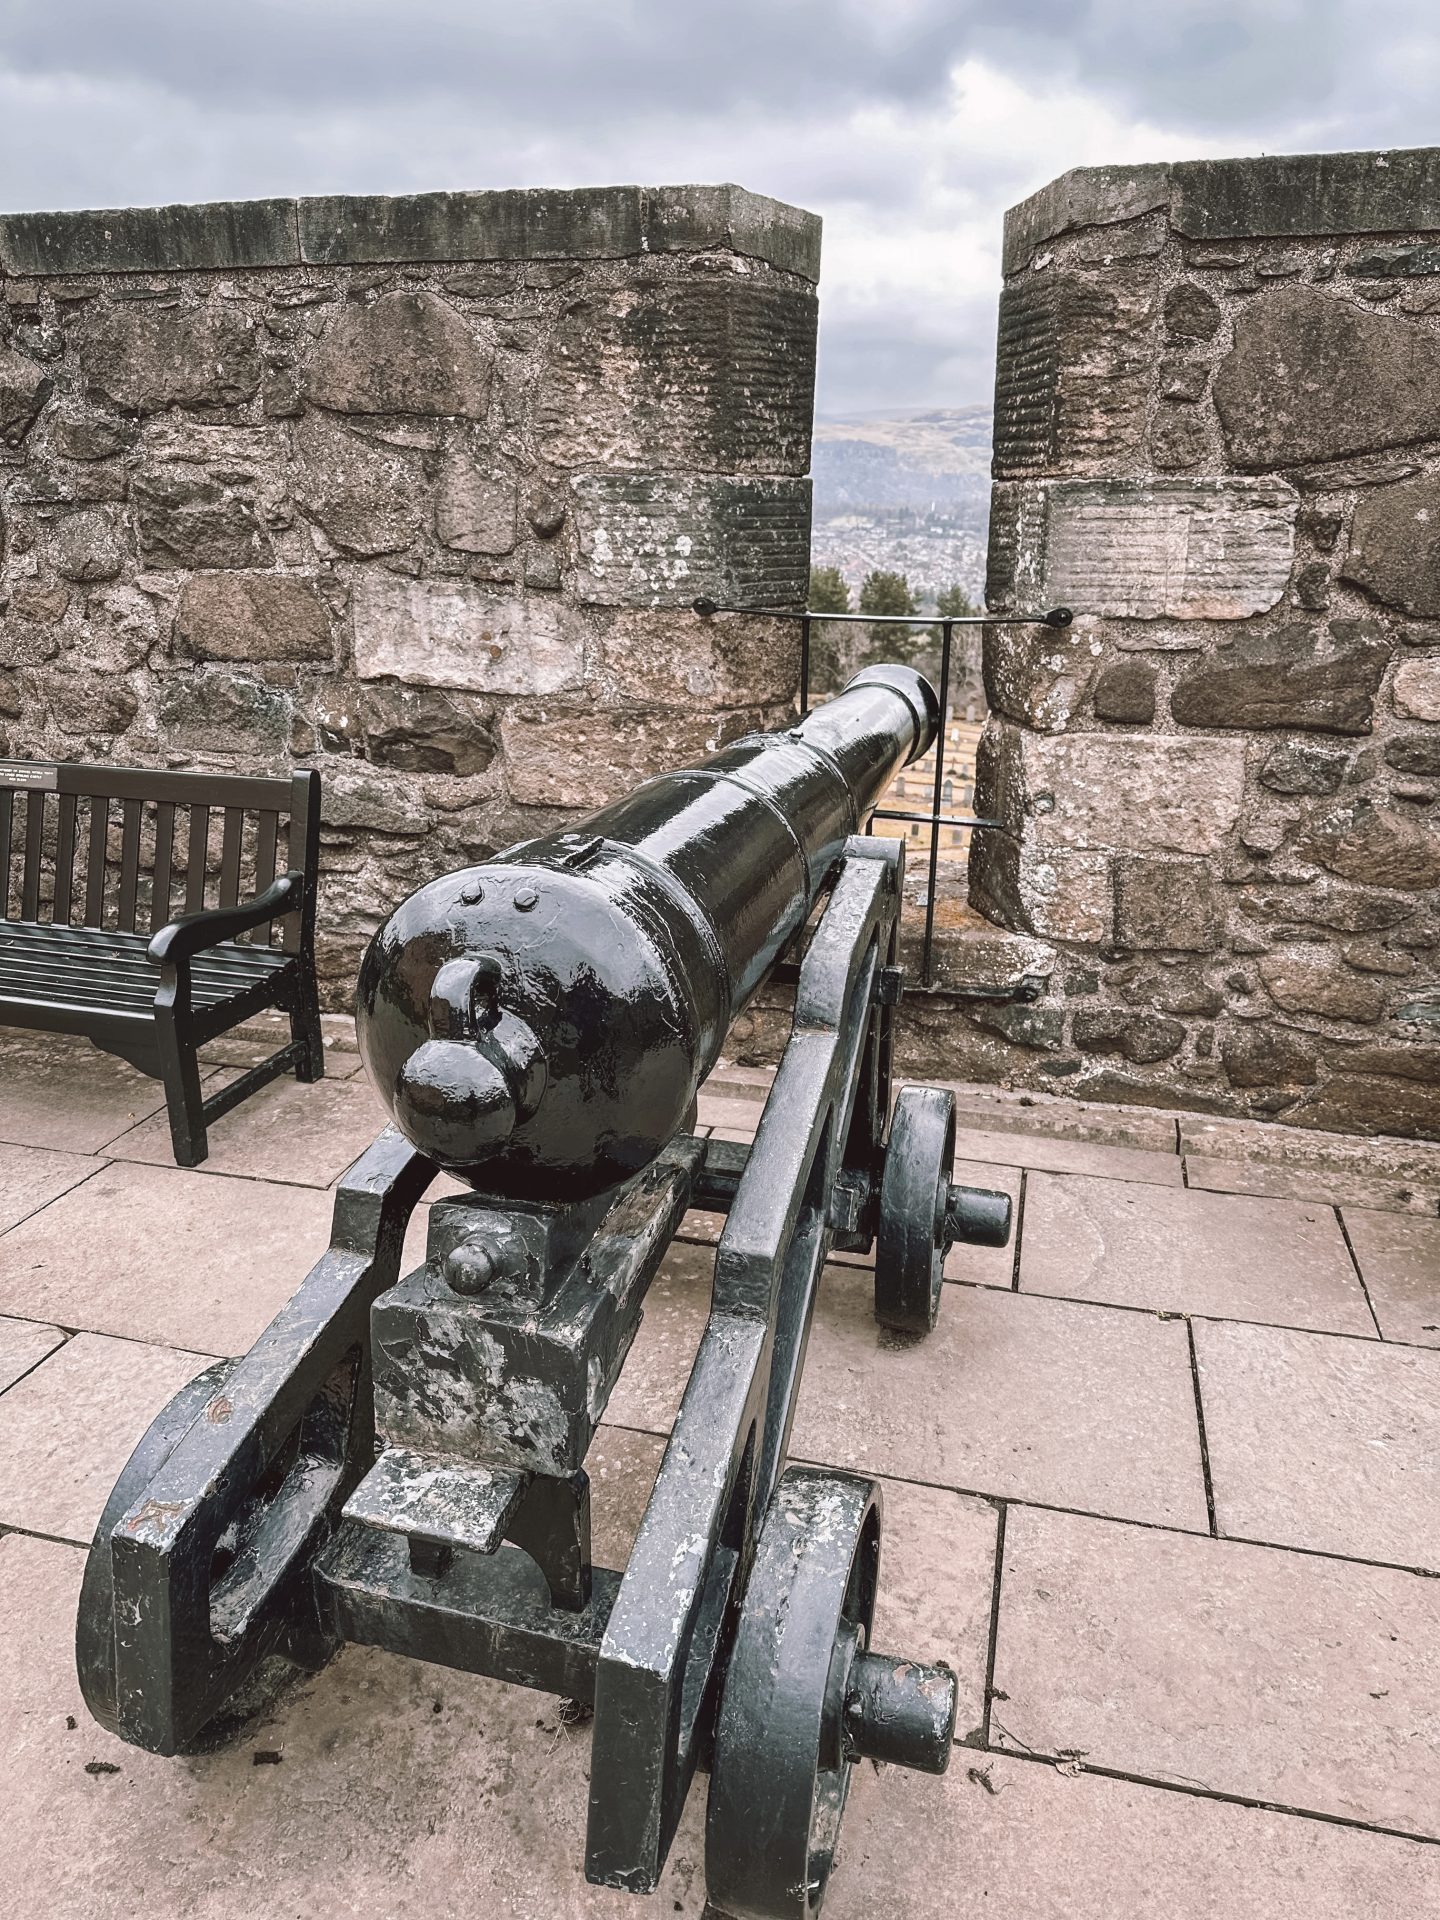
906 492
901 507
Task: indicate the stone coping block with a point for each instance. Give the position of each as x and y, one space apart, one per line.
546 223
1284 195
213 234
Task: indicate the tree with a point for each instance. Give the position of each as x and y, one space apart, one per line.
828 591
953 603
882 592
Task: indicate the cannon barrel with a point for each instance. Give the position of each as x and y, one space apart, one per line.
539 1024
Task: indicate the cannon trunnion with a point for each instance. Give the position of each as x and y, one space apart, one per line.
399 1460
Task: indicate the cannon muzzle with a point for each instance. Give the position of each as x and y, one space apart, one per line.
539 1024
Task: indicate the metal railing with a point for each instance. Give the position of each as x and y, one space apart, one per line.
935 818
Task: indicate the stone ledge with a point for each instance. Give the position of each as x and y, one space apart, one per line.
217 234
586 223
1274 196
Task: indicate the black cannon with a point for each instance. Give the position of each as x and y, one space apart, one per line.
400 1460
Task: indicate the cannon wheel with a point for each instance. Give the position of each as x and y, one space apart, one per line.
914 1189
95 1619
781 1768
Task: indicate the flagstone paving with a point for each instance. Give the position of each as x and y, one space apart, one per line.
1162 1487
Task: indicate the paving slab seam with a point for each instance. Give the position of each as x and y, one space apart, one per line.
69 1336
1355 1263
103 1333
1200 1422
35 1212
53 1539
1174 1313
1196 1790
984 1729
1019 1230
998 1500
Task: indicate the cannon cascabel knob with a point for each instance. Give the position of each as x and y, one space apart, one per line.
478 1075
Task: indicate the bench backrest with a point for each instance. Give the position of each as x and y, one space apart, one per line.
130 848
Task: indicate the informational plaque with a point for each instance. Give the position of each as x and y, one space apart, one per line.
29 773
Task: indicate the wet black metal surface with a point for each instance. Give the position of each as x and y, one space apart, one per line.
399 1461
548 1017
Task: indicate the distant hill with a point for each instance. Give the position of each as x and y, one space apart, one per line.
907 491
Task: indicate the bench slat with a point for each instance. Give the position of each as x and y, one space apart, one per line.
196 859
95 862
230 856
129 865
34 843
7 819
65 861
164 863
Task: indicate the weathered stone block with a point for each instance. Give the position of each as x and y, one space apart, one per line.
366 497
354 797
147 358
1190 312
1323 904
226 233
452 634
185 520
1394 263
86 546
1295 676
1084 197
1395 545
1058 895
1417 753
405 353
1039 675
1125 693
1378 846
1160 793
253 616
683 219
1072 382
1296 768
222 712
579 223
475 507
584 758
24 388
1313 377
1416 691
1127 549
415 729
1261 1053
714 373
683 659
1307 193
1166 904
1141 1038
1314 979
81 433
91 703
663 541
1178 441
1371 1104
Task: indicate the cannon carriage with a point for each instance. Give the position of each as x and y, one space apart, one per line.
399 1459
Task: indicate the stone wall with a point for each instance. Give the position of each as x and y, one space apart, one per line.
1218 439
417 491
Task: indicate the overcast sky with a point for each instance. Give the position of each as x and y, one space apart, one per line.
909 124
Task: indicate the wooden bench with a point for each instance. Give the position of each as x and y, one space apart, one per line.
91 859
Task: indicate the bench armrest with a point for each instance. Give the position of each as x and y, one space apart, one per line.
194 932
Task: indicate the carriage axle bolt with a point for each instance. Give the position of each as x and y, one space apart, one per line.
900 1711
976 1217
